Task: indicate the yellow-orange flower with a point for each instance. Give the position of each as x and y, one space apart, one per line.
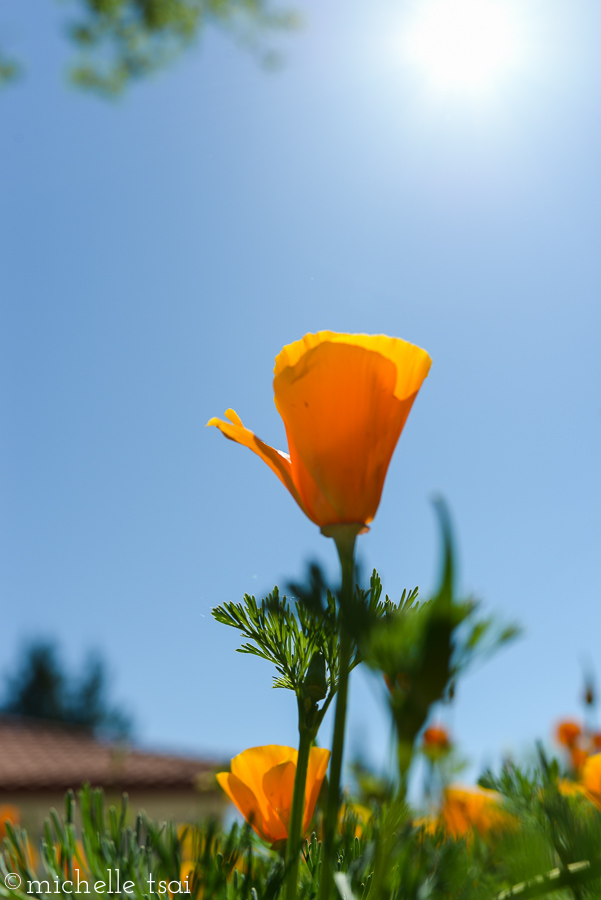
590 778
344 399
10 813
470 808
261 783
78 860
359 812
578 757
572 788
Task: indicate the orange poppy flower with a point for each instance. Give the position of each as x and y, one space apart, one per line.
344 399
78 861
261 784
578 757
470 808
568 732
436 736
590 778
10 813
436 742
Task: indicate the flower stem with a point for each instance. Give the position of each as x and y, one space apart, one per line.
571 876
295 825
346 552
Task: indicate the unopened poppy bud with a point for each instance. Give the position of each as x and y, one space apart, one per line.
316 685
589 695
567 733
436 743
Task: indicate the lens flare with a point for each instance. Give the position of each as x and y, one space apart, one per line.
463 44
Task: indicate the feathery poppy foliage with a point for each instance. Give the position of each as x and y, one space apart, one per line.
344 400
552 848
299 635
261 784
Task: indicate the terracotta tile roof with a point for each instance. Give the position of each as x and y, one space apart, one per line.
42 756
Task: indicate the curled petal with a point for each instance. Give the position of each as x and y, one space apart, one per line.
277 461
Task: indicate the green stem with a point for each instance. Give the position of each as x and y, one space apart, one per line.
346 547
295 824
570 876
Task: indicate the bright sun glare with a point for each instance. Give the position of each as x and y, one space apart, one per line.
463 44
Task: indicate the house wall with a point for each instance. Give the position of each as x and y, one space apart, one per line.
181 807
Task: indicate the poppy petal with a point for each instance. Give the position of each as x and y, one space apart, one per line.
246 802
316 770
251 766
591 775
277 460
412 363
278 786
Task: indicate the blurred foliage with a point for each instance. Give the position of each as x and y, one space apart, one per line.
551 845
9 69
40 688
524 833
422 648
120 41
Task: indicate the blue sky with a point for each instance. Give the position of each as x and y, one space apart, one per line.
156 253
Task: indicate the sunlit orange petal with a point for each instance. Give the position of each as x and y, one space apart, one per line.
412 363
250 767
591 776
278 786
244 799
316 770
252 764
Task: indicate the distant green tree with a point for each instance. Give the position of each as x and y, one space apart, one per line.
119 41
41 689
9 68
